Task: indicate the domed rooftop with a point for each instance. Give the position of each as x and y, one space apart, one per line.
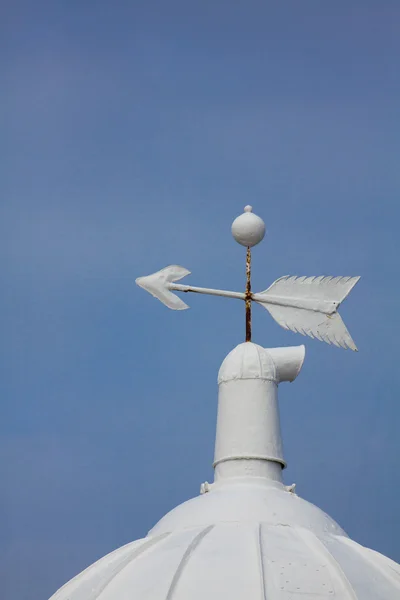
240 541
248 536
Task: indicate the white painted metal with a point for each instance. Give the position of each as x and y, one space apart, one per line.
248 439
306 305
248 537
240 542
158 285
248 229
179 287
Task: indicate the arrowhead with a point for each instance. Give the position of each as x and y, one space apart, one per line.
157 285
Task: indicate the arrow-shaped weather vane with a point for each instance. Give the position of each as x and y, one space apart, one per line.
307 305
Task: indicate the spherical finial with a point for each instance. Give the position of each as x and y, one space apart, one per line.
248 229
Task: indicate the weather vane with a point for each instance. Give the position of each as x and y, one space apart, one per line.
306 305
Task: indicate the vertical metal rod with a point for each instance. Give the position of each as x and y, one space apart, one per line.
248 295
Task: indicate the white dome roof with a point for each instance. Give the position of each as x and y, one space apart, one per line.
249 537
240 542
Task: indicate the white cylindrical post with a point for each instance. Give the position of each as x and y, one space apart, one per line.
248 439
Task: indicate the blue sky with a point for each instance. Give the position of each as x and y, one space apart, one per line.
132 134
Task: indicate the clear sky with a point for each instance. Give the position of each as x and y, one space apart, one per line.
132 134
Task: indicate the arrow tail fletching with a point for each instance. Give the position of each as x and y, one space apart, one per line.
289 292
326 328
157 285
330 289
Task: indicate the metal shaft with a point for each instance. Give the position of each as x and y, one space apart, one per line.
248 298
328 307
179 287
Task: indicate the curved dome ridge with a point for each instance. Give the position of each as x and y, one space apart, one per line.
380 568
333 576
185 558
91 582
238 561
